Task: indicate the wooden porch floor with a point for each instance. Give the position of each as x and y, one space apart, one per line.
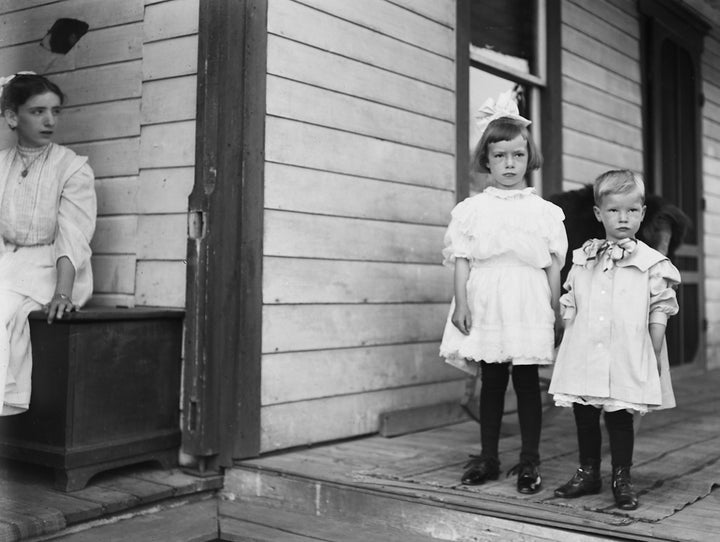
676 469
30 509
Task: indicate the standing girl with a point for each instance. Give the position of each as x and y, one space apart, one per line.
507 246
613 358
47 217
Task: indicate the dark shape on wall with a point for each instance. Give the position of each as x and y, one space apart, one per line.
63 35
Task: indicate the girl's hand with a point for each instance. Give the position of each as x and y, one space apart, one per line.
462 319
59 305
657 360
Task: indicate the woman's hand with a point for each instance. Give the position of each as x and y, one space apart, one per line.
59 305
461 318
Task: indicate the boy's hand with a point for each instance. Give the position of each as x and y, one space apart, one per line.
462 319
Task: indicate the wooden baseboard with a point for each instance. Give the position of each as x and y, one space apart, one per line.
400 422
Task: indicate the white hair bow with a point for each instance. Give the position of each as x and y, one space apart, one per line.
504 106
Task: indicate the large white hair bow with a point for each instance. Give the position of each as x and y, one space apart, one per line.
504 106
5 80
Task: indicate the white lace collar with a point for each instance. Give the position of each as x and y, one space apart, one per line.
508 194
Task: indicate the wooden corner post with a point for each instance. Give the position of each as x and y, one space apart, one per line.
221 400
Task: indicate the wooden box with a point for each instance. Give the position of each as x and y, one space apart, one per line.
105 393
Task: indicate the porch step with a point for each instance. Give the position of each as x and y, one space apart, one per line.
243 522
185 520
302 507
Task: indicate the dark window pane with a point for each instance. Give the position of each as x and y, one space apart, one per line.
507 27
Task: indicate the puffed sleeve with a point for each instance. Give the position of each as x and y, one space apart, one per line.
458 237
664 279
567 300
558 242
76 217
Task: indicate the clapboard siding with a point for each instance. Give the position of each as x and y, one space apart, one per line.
326 373
313 66
307 422
582 171
100 84
290 328
607 127
169 100
315 236
297 101
167 149
441 11
601 54
171 19
99 122
160 283
116 158
115 235
316 147
711 167
711 171
116 195
162 237
168 145
114 273
170 58
97 47
602 95
298 22
606 24
8 6
359 184
596 76
601 150
297 280
164 190
594 99
32 24
393 21
291 188
612 15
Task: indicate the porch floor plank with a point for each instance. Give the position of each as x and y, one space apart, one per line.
31 507
676 469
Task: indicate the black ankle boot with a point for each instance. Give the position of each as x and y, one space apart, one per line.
625 496
480 470
529 480
585 481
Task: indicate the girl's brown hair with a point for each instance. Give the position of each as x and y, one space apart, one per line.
24 86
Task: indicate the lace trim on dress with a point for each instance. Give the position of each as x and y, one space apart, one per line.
509 194
607 404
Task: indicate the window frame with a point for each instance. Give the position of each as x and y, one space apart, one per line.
544 94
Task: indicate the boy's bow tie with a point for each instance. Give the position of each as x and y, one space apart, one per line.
610 252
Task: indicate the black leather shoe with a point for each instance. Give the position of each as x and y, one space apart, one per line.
529 480
480 470
585 481
625 496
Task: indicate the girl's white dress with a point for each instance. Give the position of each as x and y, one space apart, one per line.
509 237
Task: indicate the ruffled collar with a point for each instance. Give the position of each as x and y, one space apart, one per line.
509 194
642 256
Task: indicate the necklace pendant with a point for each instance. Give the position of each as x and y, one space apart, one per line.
24 173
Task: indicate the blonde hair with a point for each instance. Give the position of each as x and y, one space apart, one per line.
617 181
